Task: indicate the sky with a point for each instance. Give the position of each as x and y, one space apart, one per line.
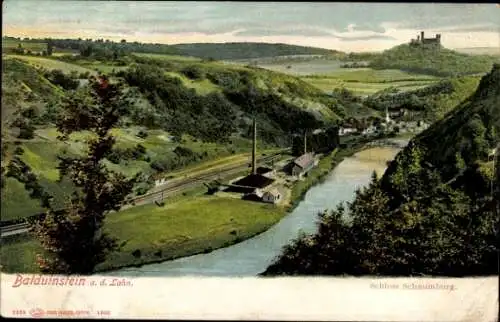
350 27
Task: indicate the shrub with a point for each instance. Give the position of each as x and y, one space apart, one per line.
193 72
142 134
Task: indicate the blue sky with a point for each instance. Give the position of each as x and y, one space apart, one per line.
342 26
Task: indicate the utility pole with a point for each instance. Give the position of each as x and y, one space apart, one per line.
254 149
305 142
492 183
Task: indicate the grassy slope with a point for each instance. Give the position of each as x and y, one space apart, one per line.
288 87
50 63
310 97
192 225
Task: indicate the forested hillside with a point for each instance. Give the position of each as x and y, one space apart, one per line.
467 134
439 62
432 213
431 102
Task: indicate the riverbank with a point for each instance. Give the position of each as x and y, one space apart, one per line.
156 234
188 224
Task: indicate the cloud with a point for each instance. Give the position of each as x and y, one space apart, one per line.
260 32
344 25
369 37
472 28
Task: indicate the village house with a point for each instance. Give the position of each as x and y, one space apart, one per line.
160 182
272 196
346 130
370 130
303 164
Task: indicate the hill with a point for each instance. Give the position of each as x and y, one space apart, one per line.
246 50
183 111
218 51
439 62
434 212
431 102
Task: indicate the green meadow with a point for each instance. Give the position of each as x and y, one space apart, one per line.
366 81
188 224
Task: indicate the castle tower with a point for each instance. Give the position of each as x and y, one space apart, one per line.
254 149
422 37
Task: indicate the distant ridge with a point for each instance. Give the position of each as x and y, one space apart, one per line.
246 50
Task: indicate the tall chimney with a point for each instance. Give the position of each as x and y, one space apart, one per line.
254 149
422 36
305 142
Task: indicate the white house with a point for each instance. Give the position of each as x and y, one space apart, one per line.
160 182
346 130
272 196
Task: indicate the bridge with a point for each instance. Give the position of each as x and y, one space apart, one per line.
397 143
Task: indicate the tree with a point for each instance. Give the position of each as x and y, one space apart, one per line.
73 239
50 47
24 119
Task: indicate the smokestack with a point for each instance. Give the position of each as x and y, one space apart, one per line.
305 142
254 149
422 36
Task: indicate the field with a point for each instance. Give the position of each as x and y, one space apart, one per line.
327 74
366 81
36 47
185 226
303 68
203 86
8 44
169 57
80 67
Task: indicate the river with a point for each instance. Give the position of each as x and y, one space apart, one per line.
254 255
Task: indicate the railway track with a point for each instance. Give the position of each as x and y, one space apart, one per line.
158 195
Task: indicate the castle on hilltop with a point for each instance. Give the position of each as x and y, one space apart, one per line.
427 42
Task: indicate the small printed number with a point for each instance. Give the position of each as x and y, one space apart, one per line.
103 313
